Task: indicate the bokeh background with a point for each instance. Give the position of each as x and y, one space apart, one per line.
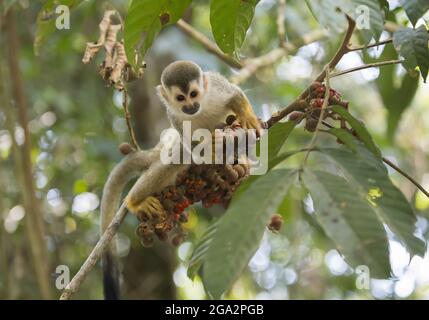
76 124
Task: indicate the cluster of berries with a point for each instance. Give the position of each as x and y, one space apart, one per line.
209 183
313 104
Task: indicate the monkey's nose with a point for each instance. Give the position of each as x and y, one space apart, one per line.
192 109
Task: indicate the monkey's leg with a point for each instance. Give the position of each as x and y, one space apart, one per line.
140 200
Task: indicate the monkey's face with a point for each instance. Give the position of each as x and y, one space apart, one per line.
187 101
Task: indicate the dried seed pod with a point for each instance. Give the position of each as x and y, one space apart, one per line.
125 148
311 124
161 233
276 223
177 240
147 241
296 116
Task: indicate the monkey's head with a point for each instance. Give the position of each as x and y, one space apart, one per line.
183 86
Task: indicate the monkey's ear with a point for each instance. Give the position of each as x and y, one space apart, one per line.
161 92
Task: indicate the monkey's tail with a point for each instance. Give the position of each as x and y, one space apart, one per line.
130 166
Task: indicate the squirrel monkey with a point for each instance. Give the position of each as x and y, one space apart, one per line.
203 98
189 94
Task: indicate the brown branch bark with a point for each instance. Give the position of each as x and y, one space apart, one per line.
342 50
209 45
95 254
251 66
128 118
281 22
34 219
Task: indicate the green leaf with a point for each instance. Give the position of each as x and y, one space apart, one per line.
45 23
415 9
350 221
376 20
347 138
144 21
331 14
412 44
277 136
360 129
241 228
371 178
230 20
198 254
397 94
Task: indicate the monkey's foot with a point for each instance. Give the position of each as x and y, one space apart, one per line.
149 209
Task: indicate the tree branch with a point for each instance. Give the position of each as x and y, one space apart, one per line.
34 223
342 50
406 175
366 66
251 66
281 23
95 254
209 45
128 118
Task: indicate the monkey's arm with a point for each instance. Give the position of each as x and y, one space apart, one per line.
241 106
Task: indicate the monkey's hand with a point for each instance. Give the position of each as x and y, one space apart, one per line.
249 121
242 108
148 209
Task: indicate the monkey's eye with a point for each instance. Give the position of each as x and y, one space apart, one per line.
194 94
180 97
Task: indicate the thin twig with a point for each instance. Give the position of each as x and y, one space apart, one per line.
95 254
207 44
367 66
372 45
251 66
281 23
406 175
322 113
128 118
342 50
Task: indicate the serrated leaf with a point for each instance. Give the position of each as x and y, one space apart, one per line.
277 136
350 221
412 44
230 20
45 23
241 229
374 13
371 178
367 14
415 9
345 137
329 13
360 129
144 21
198 254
